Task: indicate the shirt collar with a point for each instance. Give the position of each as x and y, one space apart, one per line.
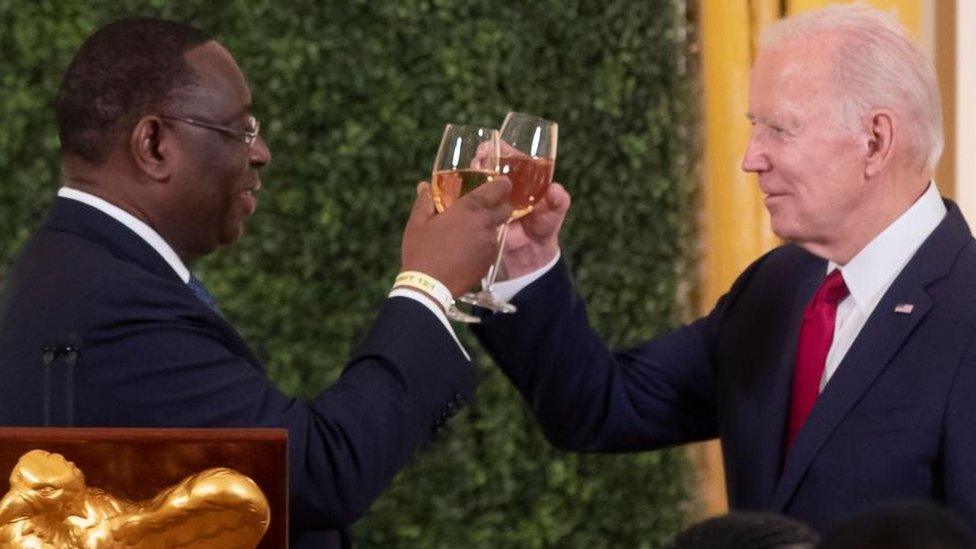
134 224
869 273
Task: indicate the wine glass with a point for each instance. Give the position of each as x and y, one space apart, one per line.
528 157
467 157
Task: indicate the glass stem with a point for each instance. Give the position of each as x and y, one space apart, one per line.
493 271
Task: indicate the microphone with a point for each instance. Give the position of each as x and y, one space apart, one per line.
59 356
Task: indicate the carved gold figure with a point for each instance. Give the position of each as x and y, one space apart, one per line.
49 506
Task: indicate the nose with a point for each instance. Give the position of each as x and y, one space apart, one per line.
260 153
755 160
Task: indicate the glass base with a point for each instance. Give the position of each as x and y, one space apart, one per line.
458 315
487 300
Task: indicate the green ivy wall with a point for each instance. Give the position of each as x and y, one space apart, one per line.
353 96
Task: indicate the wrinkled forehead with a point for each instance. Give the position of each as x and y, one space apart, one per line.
797 76
801 62
221 87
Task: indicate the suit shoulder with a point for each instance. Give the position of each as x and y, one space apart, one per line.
64 270
959 284
791 256
59 251
783 263
967 257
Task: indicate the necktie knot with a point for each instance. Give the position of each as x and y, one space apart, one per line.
816 337
833 288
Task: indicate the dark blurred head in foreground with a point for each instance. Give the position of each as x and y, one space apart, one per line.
746 531
909 525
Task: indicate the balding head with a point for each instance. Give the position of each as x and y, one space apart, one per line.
876 65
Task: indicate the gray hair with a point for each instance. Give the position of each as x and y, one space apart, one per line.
878 65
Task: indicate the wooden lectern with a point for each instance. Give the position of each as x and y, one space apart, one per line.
138 463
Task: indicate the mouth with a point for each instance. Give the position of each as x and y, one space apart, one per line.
772 193
250 196
253 189
774 199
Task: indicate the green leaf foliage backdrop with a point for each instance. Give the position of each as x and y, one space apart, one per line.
353 96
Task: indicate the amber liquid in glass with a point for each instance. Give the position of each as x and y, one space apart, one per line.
448 186
530 179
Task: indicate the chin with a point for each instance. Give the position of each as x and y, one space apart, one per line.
786 225
782 229
231 235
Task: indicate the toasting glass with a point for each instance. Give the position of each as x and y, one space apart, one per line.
467 157
528 157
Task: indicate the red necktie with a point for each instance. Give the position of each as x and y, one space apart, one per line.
816 335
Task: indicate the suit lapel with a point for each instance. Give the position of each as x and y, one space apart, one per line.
770 414
79 218
882 337
239 346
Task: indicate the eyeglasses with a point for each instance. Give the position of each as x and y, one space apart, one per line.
247 136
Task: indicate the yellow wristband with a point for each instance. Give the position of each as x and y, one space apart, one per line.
427 285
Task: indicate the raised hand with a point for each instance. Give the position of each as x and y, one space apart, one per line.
533 240
458 245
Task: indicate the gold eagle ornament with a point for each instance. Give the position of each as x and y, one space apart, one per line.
50 507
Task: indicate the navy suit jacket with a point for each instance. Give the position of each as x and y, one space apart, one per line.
896 420
153 355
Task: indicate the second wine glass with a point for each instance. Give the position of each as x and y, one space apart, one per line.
527 155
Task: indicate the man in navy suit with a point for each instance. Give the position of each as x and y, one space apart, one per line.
160 160
839 370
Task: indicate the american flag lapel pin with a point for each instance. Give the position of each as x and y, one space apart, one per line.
904 308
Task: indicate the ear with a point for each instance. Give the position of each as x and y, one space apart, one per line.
880 128
152 149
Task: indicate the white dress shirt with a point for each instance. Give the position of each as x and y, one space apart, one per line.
506 289
868 274
166 252
134 224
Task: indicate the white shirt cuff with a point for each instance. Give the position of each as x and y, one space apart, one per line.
434 308
507 289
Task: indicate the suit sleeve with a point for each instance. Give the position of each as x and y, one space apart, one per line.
589 398
170 366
